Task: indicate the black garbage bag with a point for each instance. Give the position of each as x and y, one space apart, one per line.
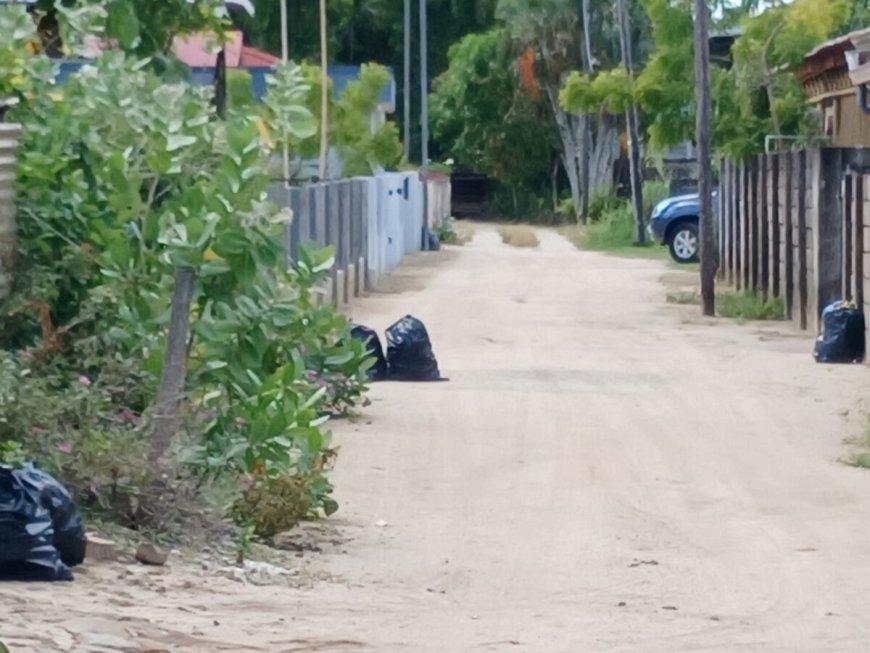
378 371
843 338
69 529
433 242
26 534
409 352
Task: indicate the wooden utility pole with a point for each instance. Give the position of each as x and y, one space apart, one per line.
285 55
406 83
424 88
633 130
587 119
705 173
324 94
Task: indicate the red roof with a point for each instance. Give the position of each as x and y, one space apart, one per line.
254 58
200 50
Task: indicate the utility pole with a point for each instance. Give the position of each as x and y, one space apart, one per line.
324 94
705 176
406 83
633 131
285 55
424 88
587 119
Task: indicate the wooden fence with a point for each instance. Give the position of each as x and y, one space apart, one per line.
791 225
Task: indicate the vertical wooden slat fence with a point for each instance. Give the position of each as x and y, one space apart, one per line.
793 225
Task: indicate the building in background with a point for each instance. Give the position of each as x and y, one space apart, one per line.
832 91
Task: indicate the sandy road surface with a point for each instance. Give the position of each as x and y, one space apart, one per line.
603 473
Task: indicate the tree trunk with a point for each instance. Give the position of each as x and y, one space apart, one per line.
705 177
167 412
601 155
587 126
633 131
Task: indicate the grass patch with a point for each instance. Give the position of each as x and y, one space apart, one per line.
684 298
747 307
860 454
743 307
518 236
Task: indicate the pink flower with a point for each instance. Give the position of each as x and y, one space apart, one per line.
65 447
84 380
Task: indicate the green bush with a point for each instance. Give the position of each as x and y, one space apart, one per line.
113 198
240 89
653 193
448 234
614 229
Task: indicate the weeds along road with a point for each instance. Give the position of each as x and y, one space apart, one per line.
603 473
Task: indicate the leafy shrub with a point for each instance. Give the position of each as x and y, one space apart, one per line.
614 229
123 179
653 193
448 234
601 204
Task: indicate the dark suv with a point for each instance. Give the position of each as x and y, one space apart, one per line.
674 222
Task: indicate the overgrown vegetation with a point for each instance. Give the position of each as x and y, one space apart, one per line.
449 233
125 178
611 226
743 307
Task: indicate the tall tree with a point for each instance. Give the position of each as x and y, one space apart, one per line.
488 121
550 27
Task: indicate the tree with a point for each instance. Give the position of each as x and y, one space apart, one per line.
550 27
486 120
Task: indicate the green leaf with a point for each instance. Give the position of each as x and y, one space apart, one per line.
123 23
175 142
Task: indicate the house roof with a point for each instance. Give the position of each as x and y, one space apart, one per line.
200 50
831 55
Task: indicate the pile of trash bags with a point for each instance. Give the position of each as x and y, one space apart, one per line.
41 532
843 338
409 355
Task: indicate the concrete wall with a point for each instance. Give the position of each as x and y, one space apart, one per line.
792 226
373 223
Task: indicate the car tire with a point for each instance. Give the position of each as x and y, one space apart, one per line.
684 242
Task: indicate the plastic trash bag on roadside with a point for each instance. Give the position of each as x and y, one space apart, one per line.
409 352
69 529
843 338
41 532
378 371
26 535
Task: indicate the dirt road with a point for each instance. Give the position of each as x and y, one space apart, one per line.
603 473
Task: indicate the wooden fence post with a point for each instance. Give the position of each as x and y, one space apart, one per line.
847 253
802 237
860 248
763 227
788 234
775 233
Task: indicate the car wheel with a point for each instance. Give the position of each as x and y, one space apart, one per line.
684 243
